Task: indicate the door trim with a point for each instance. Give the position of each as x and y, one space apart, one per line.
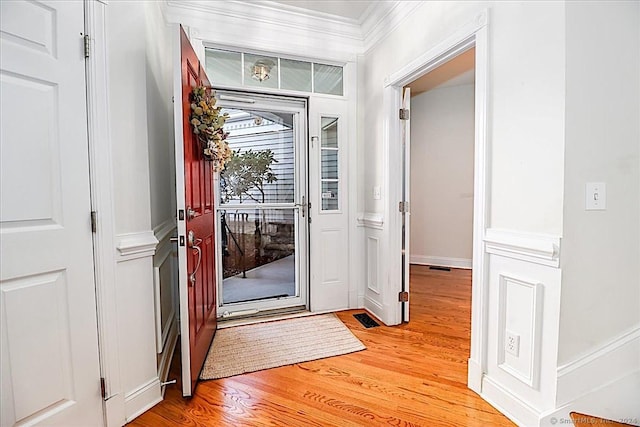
473 34
104 240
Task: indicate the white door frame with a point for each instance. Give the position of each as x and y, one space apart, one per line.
101 177
473 34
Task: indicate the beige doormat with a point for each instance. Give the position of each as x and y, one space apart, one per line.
251 348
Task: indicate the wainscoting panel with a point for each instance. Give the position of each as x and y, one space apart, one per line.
373 258
520 319
522 336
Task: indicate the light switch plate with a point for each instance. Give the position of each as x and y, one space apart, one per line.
595 196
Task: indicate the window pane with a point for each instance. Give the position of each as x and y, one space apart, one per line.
329 164
262 167
253 238
295 75
224 67
329 196
327 79
329 132
257 67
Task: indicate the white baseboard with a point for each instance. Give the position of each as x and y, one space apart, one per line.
441 261
142 399
374 307
474 376
509 404
614 359
616 401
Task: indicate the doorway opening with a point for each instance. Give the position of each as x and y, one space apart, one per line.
262 255
440 189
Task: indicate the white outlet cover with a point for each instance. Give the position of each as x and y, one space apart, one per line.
512 343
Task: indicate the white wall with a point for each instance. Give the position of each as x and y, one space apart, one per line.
601 249
526 103
140 127
442 141
525 173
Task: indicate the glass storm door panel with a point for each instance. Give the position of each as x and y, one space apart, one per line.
261 217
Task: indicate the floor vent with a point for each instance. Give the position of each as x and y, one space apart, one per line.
366 320
437 267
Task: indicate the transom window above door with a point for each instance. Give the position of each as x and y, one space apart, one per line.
239 69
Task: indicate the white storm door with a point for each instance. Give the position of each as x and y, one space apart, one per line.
405 125
50 370
329 205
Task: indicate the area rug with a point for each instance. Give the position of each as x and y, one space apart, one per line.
251 348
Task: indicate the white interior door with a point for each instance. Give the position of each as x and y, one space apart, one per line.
329 204
49 346
406 191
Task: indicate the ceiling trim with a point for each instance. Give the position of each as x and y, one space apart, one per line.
357 36
381 20
268 12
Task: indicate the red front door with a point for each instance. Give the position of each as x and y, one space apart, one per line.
197 244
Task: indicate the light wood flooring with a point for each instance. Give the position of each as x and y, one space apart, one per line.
409 375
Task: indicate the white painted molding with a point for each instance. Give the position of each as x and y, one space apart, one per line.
371 220
142 399
613 359
537 248
102 195
136 245
508 403
357 36
164 365
165 229
380 21
161 330
474 376
441 261
531 375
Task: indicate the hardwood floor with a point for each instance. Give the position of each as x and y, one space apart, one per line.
409 375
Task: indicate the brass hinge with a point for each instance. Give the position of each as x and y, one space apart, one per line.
403 296
403 207
87 45
404 114
103 389
94 221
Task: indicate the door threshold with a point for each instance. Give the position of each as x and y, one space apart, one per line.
263 316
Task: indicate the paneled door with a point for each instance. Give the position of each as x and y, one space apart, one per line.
329 202
196 243
50 371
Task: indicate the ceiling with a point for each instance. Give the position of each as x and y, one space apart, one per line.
456 72
352 9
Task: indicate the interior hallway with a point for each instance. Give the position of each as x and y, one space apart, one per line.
414 374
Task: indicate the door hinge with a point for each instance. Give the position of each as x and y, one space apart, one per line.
403 296
403 207
103 389
94 221
404 114
87 45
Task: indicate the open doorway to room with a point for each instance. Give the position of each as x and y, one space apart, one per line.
440 174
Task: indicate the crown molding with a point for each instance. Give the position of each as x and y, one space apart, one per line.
231 19
271 13
383 18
